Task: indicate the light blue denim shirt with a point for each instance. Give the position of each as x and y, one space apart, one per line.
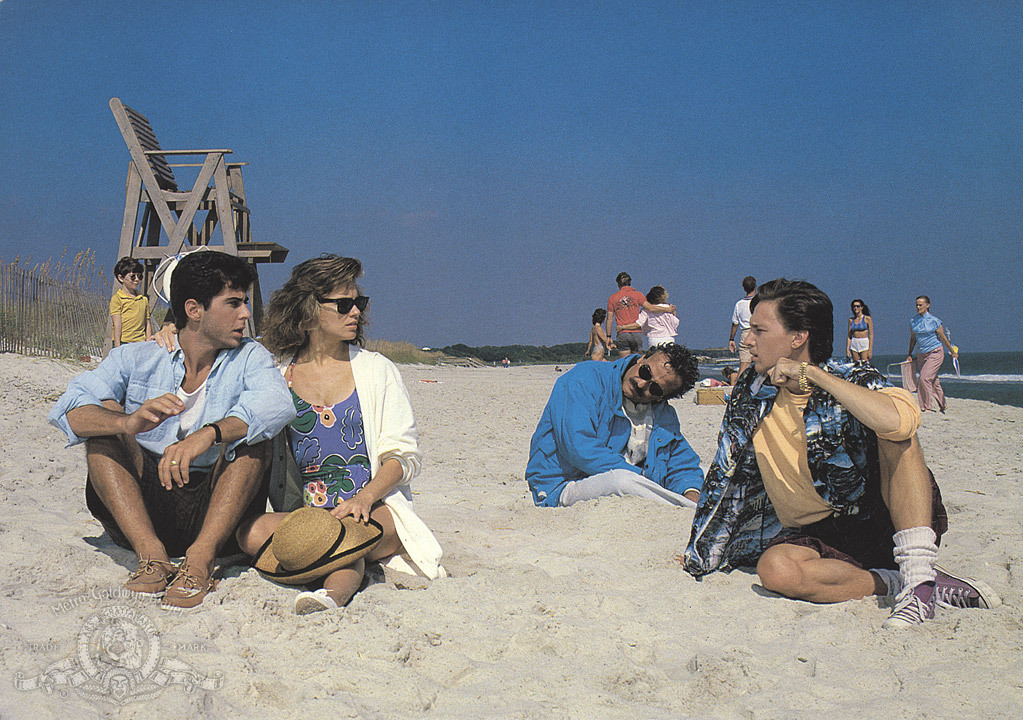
925 329
243 383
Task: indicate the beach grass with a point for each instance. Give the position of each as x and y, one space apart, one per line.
404 353
57 307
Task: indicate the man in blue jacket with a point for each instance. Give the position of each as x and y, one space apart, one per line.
608 430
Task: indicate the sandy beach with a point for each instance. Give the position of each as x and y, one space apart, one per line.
569 613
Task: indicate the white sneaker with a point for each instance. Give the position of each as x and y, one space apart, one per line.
315 601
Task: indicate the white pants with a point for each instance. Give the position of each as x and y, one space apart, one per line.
620 482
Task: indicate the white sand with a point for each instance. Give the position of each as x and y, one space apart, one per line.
566 613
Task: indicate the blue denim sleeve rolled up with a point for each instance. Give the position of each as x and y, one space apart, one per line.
108 381
671 461
243 383
264 403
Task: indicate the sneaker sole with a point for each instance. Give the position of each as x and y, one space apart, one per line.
308 606
311 602
178 602
899 624
988 597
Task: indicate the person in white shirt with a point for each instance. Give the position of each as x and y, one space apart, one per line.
740 323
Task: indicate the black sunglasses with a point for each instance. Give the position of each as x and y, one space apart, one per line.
652 387
345 304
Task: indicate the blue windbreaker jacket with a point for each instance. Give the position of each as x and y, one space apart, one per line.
583 431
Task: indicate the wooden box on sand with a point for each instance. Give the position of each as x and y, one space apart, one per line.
710 396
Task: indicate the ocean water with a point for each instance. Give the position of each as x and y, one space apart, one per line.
993 376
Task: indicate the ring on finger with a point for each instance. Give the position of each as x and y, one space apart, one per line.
174 462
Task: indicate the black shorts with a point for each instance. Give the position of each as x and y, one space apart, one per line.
863 540
177 514
631 340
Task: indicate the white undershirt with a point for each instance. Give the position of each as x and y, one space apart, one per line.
194 401
642 419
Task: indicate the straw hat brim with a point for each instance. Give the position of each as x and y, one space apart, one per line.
354 541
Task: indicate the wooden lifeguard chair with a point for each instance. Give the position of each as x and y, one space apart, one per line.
160 219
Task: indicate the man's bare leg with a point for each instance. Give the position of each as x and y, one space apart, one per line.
905 483
115 466
235 489
800 572
252 533
906 489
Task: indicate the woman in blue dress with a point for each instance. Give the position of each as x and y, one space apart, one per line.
927 336
353 448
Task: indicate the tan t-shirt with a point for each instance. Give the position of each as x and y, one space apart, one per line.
780 444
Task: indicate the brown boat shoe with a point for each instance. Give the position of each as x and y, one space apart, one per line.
152 576
188 589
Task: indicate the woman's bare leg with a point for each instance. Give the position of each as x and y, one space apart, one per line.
342 584
389 544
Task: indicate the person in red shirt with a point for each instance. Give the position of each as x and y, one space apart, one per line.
623 308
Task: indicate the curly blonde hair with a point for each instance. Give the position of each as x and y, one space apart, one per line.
292 311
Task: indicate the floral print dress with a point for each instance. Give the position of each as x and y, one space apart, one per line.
329 444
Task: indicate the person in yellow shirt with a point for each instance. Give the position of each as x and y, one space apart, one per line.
819 479
128 309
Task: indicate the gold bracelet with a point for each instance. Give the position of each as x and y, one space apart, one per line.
804 384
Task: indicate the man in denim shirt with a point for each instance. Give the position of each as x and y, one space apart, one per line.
176 442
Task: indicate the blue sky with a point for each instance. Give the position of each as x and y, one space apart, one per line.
496 164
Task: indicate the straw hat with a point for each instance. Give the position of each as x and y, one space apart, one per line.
311 543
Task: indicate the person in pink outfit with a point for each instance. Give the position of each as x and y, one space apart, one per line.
623 309
661 326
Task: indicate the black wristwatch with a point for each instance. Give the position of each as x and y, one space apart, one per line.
216 428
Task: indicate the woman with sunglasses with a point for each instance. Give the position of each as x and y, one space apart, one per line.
859 340
353 447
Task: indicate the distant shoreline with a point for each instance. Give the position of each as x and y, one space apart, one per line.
981 379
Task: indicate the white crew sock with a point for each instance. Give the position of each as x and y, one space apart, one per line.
891 579
916 551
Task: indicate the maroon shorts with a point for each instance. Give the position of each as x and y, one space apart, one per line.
863 540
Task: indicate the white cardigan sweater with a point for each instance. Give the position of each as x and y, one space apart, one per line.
390 433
